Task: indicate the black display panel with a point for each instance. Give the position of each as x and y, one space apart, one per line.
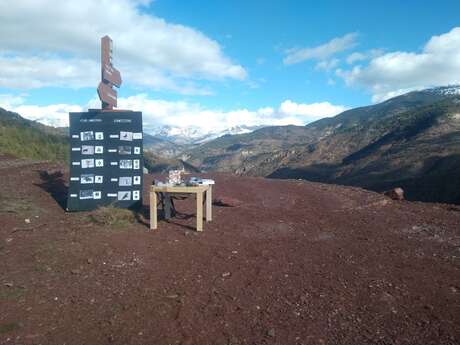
106 160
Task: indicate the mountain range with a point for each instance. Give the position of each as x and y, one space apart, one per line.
410 141
196 135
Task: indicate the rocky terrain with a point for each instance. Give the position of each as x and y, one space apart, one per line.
411 141
295 262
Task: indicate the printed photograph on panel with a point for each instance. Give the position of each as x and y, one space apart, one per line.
136 180
126 164
97 194
136 163
86 178
99 163
136 195
137 150
125 195
124 150
98 179
137 135
127 136
86 194
98 149
87 163
86 136
87 150
99 135
125 181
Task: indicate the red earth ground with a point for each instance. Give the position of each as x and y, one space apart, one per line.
295 263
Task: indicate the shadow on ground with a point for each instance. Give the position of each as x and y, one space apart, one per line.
54 184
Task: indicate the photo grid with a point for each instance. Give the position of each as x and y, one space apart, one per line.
126 146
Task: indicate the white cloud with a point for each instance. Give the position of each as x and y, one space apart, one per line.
33 72
356 56
327 65
309 112
323 51
56 115
397 72
362 56
8 101
146 48
182 114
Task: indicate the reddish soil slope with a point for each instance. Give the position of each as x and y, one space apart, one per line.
295 263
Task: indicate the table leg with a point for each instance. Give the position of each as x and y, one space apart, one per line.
153 210
209 204
167 205
199 211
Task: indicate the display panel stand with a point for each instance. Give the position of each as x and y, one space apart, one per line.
106 159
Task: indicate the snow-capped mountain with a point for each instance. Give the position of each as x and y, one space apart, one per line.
449 90
196 135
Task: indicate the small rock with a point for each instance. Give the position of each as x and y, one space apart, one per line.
233 341
226 274
271 332
75 271
89 261
27 220
395 194
172 296
227 202
8 284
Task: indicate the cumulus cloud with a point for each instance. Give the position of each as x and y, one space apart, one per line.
56 115
34 72
38 34
157 112
322 52
185 114
393 73
310 111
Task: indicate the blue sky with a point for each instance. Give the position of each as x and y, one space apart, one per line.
218 64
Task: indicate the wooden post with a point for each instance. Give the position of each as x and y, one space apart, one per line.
209 204
153 210
199 211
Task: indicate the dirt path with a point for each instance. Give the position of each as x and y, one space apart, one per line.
296 263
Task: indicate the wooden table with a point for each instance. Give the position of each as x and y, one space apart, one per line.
201 192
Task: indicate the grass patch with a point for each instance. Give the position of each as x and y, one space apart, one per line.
110 216
15 206
18 206
11 293
9 327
